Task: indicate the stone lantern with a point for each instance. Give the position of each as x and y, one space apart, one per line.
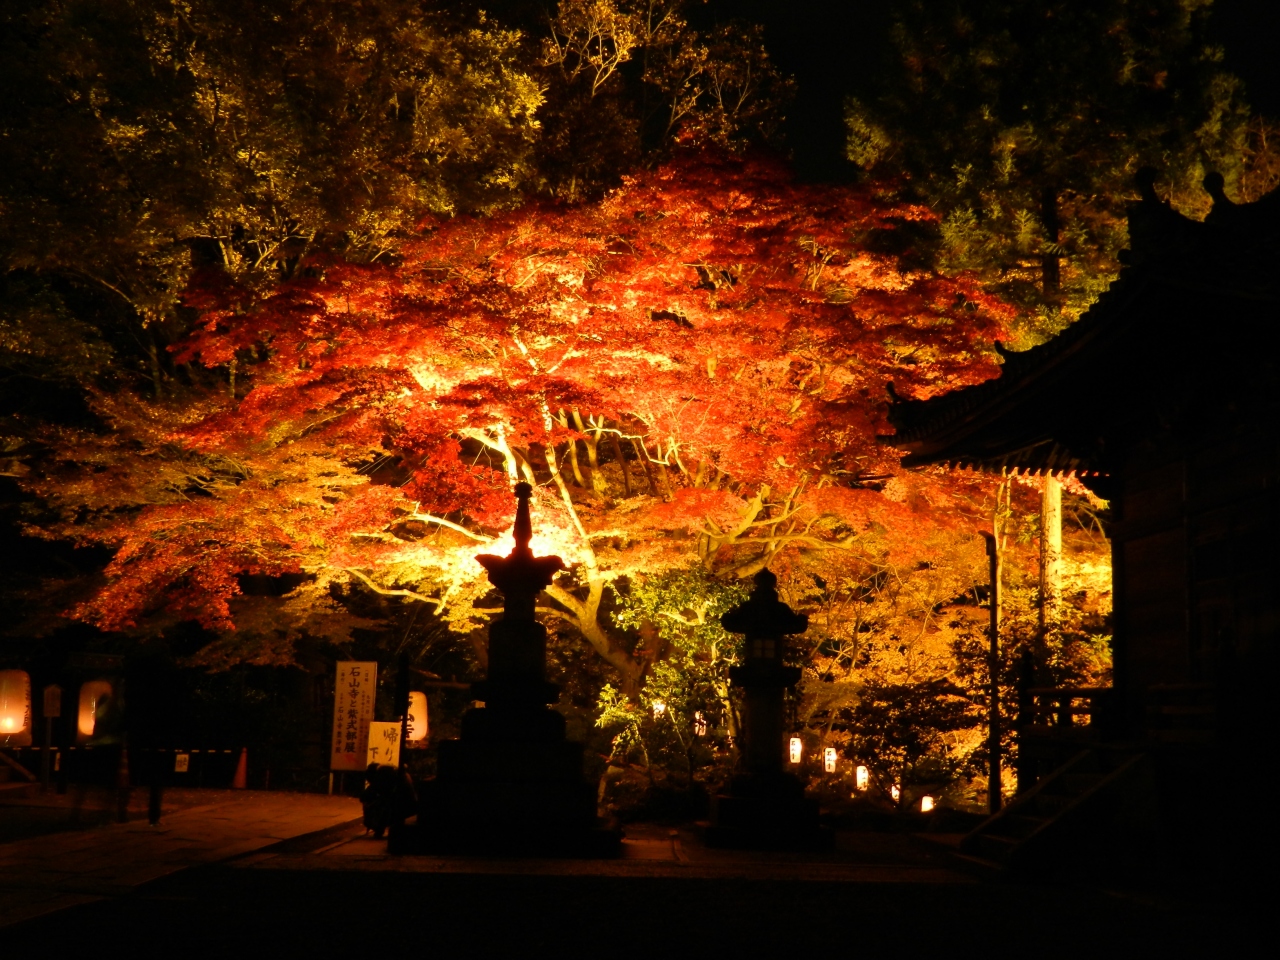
512 783
765 805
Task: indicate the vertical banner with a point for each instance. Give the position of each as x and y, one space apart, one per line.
353 695
384 743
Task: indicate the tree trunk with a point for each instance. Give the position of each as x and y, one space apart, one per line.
643 456
1050 551
1050 262
573 462
622 464
592 439
153 356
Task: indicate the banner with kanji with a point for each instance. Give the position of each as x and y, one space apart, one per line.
353 696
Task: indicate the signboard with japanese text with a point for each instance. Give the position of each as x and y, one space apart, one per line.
353 695
384 743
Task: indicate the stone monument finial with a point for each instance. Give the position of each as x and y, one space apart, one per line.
520 575
524 526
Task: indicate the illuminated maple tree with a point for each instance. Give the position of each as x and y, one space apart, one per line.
691 369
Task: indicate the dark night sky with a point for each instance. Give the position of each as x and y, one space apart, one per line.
832 47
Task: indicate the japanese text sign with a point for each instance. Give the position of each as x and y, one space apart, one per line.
384 743
353 696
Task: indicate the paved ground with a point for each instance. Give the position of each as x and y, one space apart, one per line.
256 873
44 874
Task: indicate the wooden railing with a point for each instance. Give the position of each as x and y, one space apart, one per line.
1055 723
1075 712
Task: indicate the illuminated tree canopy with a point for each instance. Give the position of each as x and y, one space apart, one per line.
692 369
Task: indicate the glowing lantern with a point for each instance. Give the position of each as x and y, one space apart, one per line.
699 724
862 778
926 804
417 720
93 695
15 707
659 708
895 793
829 760
794 751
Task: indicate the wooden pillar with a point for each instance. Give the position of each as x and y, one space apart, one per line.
993 674
1050 550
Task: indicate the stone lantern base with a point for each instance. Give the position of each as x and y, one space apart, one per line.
767 812
512 784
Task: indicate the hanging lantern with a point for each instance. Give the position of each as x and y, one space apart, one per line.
829 760
862 778
926 804
416 722
895 792
93 697
15 708
795 749
659 708
699 724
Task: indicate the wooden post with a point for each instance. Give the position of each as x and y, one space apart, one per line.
993 675
1050 550
1026 717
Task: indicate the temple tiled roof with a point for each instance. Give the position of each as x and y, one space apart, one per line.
1061 406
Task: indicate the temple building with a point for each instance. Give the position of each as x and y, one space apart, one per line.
1164 399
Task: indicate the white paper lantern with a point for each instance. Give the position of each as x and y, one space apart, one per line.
829 760
926 804
862 778
795 750
417 721
895 792
659 708
15 708
92 696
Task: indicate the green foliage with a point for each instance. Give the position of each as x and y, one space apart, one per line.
1023 124
683 718
627 80
912 734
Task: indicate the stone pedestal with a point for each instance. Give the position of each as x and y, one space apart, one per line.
512 783
765 805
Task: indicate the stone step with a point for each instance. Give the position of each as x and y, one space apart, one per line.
1021 826
996 848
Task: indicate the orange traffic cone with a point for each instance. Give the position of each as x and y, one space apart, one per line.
239 781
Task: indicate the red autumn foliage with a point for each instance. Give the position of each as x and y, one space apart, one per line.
692 369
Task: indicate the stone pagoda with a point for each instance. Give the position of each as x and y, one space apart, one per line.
765 805
512 783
